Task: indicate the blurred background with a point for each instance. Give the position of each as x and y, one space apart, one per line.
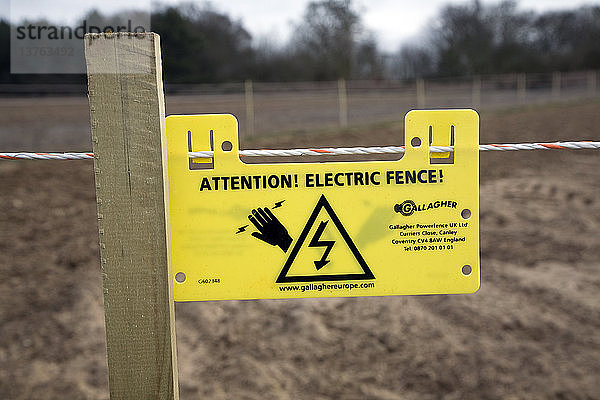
324 73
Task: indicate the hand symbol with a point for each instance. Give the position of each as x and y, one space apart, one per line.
270 229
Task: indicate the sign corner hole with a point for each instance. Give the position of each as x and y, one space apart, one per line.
180 277
466 213
226 145
466 270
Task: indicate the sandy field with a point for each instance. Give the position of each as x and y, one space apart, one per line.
531 332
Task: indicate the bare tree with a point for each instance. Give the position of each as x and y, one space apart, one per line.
330 38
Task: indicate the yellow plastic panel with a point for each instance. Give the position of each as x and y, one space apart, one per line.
262 231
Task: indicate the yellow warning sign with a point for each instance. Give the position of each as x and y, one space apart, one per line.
332 229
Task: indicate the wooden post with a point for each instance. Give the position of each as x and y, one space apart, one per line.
128 131
476 95
592 82
342 103
521 87
249 96
420 93
556 84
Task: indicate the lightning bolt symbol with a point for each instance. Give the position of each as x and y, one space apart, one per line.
241 229
316 242
278 204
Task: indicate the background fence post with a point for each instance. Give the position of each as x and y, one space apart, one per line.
592 77
556 83
420 93
476 95
521 87
249 96
128 131
342 103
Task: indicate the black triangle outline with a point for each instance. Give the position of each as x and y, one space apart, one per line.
323 203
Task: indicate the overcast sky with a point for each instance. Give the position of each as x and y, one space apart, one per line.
392 21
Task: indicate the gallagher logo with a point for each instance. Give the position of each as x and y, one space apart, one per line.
408 207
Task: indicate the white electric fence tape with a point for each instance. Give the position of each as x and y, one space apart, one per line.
326 151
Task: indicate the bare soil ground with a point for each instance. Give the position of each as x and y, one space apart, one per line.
530 332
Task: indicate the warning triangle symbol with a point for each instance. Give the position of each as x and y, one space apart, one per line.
317 262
